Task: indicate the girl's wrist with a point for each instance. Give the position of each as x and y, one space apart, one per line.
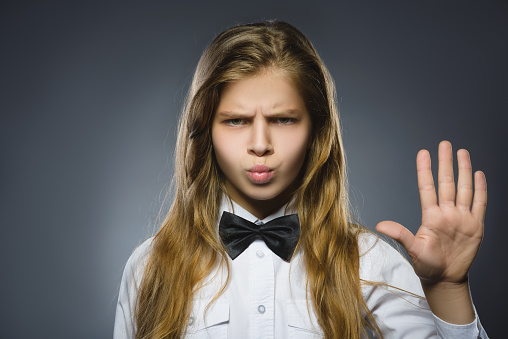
450 301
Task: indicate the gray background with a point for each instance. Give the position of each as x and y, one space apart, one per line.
89 98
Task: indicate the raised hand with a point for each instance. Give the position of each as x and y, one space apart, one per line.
449 237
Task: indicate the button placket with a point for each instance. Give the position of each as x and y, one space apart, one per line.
261 276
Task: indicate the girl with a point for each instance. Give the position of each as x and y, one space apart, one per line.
259 149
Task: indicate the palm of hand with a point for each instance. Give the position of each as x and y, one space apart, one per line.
448 240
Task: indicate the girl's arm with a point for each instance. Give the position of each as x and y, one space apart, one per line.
448 240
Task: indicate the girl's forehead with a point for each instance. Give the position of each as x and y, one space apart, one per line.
266 91
270 71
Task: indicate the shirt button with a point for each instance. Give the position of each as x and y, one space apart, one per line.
191 321
261 309
260 254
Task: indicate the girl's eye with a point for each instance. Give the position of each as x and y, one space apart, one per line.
285 121
234 122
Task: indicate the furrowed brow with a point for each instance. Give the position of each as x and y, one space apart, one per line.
231 114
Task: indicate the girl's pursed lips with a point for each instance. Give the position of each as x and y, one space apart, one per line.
260 168
260 177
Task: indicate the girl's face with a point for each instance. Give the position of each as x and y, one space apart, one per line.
260 133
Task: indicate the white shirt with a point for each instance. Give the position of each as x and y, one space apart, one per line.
266 296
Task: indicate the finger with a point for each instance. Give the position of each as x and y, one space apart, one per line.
480 195
397 232
465 182
446 183
426 186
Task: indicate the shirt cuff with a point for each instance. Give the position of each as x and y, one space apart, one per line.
447 330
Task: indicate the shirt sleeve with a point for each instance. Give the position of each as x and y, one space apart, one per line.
472 330
124 322
394 295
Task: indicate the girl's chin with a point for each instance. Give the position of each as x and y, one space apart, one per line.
267 194
258 193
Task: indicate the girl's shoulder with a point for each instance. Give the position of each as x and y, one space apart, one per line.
383 261
131 280
136 263
371 244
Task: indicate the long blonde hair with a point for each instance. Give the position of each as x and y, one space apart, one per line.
187 248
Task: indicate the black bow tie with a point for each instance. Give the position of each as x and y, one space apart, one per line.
280 234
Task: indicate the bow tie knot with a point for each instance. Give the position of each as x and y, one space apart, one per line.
280 234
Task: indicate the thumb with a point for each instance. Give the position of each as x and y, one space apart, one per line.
397 232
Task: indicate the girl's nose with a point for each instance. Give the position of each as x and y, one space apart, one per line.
260 143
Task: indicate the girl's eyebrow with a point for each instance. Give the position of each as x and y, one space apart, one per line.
231 114
283 113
